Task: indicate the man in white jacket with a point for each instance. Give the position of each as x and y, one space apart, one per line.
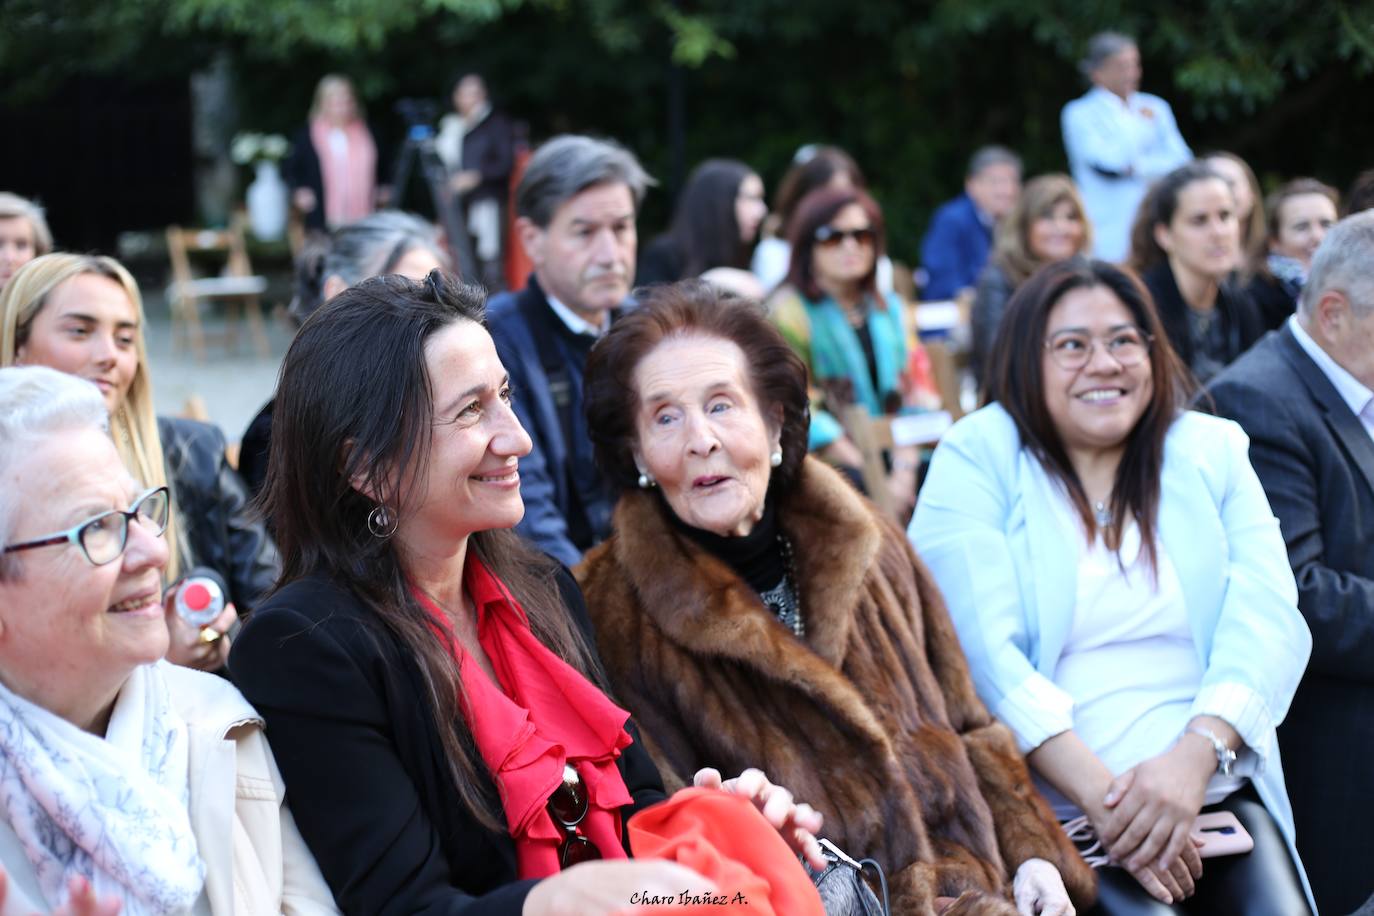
1118 140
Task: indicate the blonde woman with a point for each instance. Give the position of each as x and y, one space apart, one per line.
1047 224
24 234
334 167
83 314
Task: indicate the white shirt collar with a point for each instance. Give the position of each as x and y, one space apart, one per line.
1106 95
1351 389
575 322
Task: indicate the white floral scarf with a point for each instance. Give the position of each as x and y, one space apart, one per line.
112 810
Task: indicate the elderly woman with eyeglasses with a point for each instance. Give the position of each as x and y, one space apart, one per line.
1122 591
124 779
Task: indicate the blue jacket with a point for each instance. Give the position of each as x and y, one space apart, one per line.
567 504
986 527
955 249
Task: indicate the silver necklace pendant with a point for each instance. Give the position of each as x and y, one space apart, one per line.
1102 515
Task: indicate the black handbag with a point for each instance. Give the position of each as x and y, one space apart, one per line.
842 887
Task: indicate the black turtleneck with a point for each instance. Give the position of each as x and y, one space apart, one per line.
755 557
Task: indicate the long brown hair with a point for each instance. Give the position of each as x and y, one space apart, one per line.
355 403
1011 249
1016 381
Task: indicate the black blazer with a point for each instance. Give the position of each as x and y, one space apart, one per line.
366 776
1241 320
219 530
1316 462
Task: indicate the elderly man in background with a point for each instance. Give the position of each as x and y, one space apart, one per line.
575 216
957 243
1118 140
1305 396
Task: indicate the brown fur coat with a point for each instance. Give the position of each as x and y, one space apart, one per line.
873 719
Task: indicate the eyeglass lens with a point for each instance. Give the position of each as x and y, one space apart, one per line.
103 537
1072 350
829 236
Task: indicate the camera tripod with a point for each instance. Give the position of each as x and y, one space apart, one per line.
419 147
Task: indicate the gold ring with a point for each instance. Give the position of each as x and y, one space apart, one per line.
209 635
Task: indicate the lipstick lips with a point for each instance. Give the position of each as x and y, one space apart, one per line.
709 480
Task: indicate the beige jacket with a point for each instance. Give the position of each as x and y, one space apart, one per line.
255 860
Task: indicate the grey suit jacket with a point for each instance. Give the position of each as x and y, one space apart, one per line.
1316 462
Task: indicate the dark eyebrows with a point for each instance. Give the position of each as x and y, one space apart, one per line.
481 388
1127 326
623 218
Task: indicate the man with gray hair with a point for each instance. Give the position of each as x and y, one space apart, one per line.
575 216
956 245
1305 396
1118 140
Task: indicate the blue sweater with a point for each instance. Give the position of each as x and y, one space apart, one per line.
567 504
955 249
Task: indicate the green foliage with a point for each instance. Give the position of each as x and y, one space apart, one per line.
911 87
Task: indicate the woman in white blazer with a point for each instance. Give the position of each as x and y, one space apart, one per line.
1121 590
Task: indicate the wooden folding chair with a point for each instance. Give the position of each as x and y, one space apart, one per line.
236 286
875 435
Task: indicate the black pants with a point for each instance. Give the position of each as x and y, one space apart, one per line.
1262 882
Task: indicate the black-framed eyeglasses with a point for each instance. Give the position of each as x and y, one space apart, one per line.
102 538
568 807
829 236
1072 350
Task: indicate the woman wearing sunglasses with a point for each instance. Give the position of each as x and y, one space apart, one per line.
82 314
123 779
428 678
1123 594
853 340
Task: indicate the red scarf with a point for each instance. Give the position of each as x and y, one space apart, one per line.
541 714
349 178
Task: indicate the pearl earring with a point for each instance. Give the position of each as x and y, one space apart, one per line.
645 481
775 459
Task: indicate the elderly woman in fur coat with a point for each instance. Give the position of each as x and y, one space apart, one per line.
752 608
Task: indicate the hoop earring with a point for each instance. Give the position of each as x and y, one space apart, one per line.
645 481
775 459
381 522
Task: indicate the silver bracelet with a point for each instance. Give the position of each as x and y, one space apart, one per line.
1226 757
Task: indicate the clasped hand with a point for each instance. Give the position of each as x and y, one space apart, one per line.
798 824
1147 819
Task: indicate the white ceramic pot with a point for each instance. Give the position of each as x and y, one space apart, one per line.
267 203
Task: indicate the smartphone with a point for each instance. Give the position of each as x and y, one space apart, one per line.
1222 835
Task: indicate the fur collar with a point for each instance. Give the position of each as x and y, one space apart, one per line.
698 602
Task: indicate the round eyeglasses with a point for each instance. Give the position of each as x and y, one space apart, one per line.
102 538
1071 350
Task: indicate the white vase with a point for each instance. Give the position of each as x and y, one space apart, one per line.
267 203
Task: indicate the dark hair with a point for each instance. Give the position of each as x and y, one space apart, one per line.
354 404
1360 197
809 173
691 308
1273 211
1158 209
1015 379
818 208
705 230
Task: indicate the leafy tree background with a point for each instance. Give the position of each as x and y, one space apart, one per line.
910 88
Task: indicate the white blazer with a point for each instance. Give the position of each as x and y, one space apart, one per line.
1007 562
1138 135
